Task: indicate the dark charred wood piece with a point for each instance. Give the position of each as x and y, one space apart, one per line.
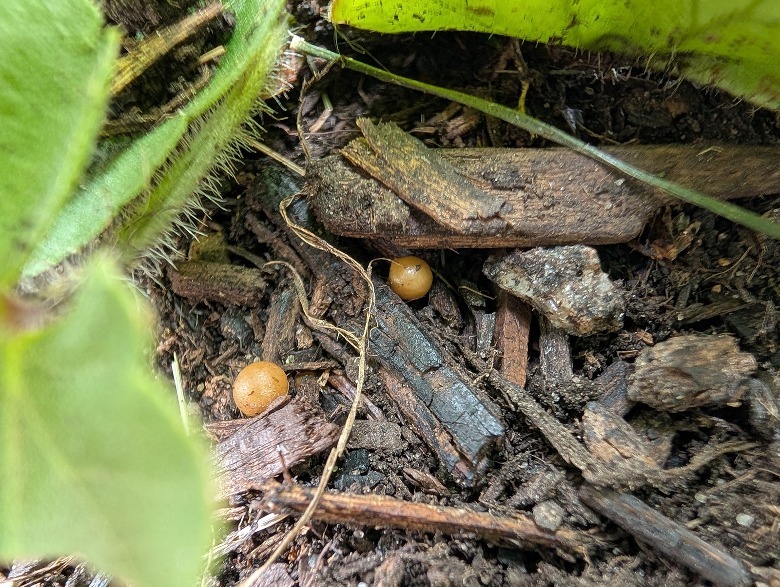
440 405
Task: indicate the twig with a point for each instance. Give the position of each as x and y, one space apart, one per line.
666 536
388 512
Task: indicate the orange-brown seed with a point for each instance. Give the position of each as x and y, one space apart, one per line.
410 277
257 386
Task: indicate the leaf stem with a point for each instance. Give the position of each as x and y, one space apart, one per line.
726 210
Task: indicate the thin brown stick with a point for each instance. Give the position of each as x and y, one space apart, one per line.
666 536
388 512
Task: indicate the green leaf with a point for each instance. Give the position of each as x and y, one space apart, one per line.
100 200
261 34
733 44
251 52
93 454
56 61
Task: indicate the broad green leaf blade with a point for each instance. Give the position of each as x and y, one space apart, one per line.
93 454
56 61
733 44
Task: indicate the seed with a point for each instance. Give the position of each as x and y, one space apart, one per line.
257 386
410 277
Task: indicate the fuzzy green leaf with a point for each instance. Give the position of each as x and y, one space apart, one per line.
732 44
254 47
214 137
93 454
56 61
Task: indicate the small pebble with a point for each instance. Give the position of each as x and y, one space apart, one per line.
745 520
548 515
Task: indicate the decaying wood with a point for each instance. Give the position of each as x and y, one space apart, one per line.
387 512
279 337
556 433
554 354
423 180
262 448
513 325
543 196
449 415
217 282
614 385
339 380
613 441
620 475
429 429
282 251
667 536
565 284
691 371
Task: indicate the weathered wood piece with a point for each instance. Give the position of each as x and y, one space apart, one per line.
554 354
279 337
423 180
613 441
513 325
440 405
691 371
667 536
388 512
262 448
544 196
217 282
565 284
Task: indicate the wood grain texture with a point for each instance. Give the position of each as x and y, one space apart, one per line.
543 196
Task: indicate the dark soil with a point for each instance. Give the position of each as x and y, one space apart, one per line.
688 272
615 101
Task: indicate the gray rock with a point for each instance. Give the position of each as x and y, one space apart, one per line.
565 284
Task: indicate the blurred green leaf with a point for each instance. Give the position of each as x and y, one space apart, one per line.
93 454
56 62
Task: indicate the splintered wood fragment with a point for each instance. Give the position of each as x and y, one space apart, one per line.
266 445
666 536
513 325
545 196
614 441
422 179
554 354
691 371
279 337
388 512
556 433
450 416
217 282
